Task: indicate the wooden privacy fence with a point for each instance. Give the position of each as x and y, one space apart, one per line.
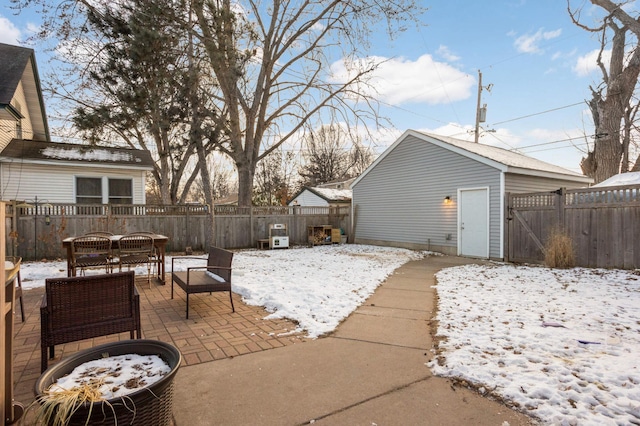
37 231
603 224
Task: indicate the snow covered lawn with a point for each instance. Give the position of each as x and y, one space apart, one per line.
564 345
316 287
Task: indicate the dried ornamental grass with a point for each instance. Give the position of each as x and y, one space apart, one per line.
58 406
558 251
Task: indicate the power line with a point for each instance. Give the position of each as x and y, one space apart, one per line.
537 113
557 141
575 145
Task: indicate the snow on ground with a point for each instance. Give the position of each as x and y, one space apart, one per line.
316 287
564 345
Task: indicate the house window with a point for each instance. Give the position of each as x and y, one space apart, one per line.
120 191
88 190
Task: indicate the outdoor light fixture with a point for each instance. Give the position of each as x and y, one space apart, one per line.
447 199
47 220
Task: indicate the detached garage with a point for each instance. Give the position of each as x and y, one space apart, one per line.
438 193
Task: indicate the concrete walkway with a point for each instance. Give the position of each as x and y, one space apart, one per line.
370 371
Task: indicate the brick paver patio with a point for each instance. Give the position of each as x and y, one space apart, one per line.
212 331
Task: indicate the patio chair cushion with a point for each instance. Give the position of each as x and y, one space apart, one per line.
212 277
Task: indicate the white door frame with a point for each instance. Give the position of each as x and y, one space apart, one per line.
461 206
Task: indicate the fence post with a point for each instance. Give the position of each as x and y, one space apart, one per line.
251 224
507 224
560 206
187 235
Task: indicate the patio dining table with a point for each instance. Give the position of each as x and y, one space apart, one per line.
159 242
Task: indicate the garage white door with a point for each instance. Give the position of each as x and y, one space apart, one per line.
473 226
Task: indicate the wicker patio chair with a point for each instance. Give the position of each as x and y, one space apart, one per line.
77 308
100 233
214 276
136 249
155 255
12 265
90 251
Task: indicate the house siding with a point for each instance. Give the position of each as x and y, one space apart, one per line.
56 183
400 200
7 132
523 183
9 129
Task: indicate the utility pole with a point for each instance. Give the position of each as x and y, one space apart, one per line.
481 113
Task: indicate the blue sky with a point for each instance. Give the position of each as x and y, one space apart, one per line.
535 58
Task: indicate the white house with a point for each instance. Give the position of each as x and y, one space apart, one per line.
439 193
31 165
69 173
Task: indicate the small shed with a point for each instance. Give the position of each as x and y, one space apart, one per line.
333 194
438 193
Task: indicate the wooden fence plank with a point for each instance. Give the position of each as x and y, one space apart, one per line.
603 224
185 227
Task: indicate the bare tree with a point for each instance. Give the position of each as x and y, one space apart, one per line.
272 63
133 77
222 182
611 103
274 179
331 153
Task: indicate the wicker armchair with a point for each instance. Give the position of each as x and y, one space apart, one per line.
136 249
214 276
77 308
90 251
155 254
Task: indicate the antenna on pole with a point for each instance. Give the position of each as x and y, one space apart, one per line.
481 112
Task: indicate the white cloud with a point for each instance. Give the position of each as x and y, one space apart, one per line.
446 53
587 64
9 33
32 28
530 43
399 80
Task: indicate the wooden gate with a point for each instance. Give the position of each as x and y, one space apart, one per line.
603 223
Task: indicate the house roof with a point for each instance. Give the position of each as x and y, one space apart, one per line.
501 159
330 195
15 63
337 184
47 152
630 178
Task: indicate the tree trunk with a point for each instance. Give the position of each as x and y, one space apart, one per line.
636 166
608 148
245 184
164 183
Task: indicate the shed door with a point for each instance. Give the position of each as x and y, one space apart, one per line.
474 222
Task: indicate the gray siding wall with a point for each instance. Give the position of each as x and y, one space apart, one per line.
400 201
523 183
